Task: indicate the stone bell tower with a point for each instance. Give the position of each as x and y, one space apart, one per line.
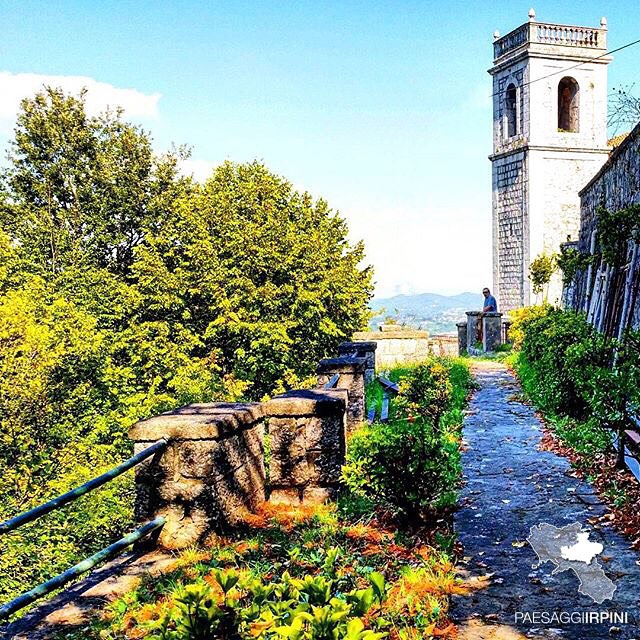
549 139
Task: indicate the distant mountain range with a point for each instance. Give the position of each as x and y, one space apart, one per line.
430 311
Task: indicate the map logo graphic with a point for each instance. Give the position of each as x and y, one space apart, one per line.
569 548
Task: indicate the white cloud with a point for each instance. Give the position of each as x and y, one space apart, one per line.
16 86
200 170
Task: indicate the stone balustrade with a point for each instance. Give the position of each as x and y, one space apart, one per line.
542 33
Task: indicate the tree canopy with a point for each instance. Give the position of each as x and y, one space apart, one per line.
127 289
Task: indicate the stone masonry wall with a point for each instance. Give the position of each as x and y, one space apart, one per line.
510 229
211 473
307 430
351 372
617 185
396 346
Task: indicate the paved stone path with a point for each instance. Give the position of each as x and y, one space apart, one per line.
510 487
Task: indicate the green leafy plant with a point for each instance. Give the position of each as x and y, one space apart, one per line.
420 439
540 272
292 608
571 261
615 229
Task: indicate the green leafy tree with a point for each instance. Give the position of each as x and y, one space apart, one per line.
83 191
540 272
265 275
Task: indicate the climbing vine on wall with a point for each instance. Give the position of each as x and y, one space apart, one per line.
615 229
570 261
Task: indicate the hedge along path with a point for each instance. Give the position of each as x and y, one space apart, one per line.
511 486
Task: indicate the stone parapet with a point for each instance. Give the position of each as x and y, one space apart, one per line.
363 349
396 345
463 345
473 335
308 443
491 330
209 476
352 378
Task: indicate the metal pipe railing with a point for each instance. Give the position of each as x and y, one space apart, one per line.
74 494
333 381
82 567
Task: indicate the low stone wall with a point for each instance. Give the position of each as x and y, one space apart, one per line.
211 473
308 443
395 346
491 332
444 345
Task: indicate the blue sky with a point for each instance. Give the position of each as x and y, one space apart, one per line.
381 108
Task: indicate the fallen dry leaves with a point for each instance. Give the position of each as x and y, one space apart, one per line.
606 478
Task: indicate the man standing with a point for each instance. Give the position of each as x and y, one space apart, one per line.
490 305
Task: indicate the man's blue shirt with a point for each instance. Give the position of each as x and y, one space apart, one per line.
490 302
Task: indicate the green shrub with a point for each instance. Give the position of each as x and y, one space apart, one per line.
411 465
551 377
585 437
520 317
584 381
409 468
426 391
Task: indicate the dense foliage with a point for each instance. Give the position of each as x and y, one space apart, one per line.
571 261
127 290
421 438
580 378
294 572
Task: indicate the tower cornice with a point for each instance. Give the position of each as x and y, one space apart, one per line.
528 53
582 41
548 148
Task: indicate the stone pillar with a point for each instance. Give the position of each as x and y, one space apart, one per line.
472 329
506 327
462 337
210 474
351 371
491 330
364 349
308 443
